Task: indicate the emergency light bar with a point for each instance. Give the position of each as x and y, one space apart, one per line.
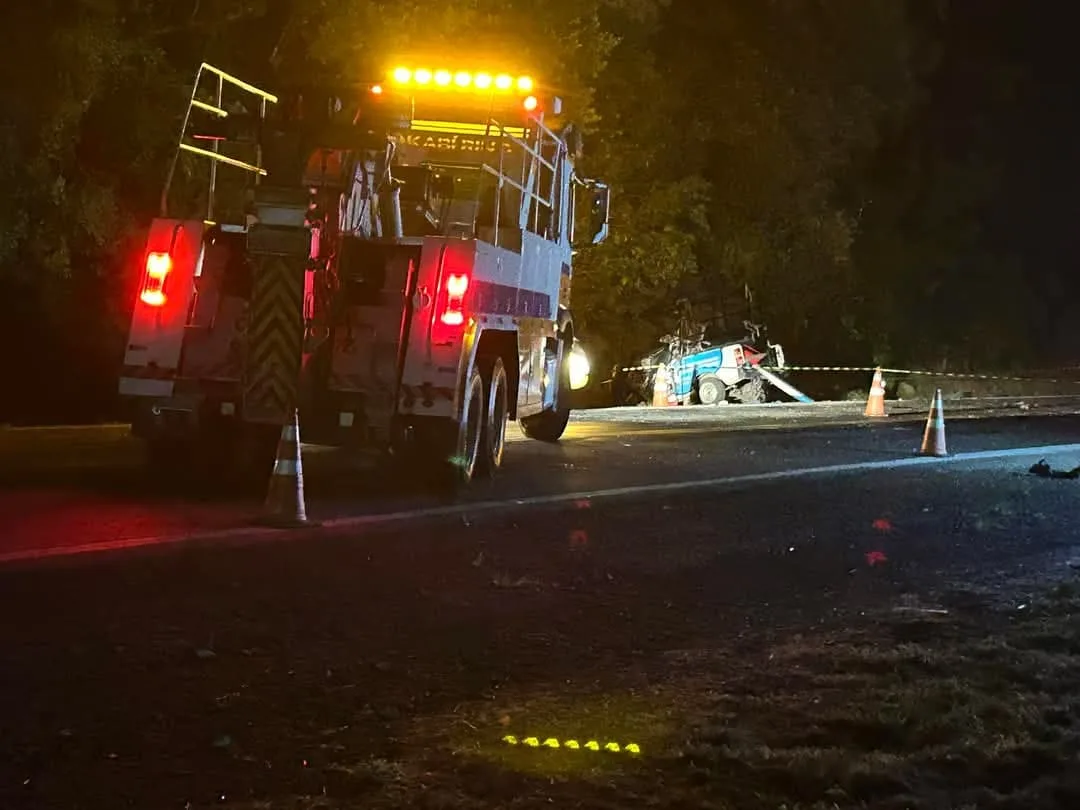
462 79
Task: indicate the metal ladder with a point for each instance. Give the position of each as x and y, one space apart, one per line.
218 81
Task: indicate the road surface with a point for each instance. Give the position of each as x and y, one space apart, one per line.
85 489
643 582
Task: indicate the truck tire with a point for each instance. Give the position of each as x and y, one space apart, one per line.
463 462
549 426
496 415
711 390
442 454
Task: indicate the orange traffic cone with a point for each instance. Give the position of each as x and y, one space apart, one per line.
285 496
933 440
661 388
875 403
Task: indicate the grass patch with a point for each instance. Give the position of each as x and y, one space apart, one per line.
981 713
967 717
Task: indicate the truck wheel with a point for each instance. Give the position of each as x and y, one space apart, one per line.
470 430
493 439
711 390
548 426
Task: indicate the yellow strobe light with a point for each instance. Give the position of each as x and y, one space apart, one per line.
461 79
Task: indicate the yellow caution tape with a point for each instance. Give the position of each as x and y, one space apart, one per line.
573 745
912 371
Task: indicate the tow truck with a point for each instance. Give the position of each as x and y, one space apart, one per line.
390 261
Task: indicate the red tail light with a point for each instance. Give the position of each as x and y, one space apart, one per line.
158 267
453 311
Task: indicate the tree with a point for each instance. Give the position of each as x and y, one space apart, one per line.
85 145
780 144
937 286
727 132
625 291
791 92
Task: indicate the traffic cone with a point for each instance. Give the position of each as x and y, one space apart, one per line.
933 440
875 403
285 496
661 388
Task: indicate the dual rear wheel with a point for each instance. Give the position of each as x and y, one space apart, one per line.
481 435
485 414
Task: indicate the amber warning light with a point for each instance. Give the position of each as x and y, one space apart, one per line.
443 79
158 267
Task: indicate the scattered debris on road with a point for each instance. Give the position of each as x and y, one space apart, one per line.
1043 470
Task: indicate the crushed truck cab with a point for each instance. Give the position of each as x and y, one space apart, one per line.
393 263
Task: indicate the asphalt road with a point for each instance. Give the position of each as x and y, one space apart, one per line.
370 661
84 489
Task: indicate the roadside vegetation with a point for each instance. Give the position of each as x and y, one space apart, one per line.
864 168
923 708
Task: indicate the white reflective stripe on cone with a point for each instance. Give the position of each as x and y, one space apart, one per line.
285 466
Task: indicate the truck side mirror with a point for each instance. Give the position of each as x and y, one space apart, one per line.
594 202
599 208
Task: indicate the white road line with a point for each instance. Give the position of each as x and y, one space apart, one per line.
357 521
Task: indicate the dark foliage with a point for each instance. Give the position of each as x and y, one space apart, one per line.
859 164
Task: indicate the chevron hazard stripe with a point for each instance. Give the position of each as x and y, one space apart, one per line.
275 338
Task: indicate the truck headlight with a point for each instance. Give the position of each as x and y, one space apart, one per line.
578 368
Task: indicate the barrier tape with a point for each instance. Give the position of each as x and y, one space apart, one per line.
953 375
